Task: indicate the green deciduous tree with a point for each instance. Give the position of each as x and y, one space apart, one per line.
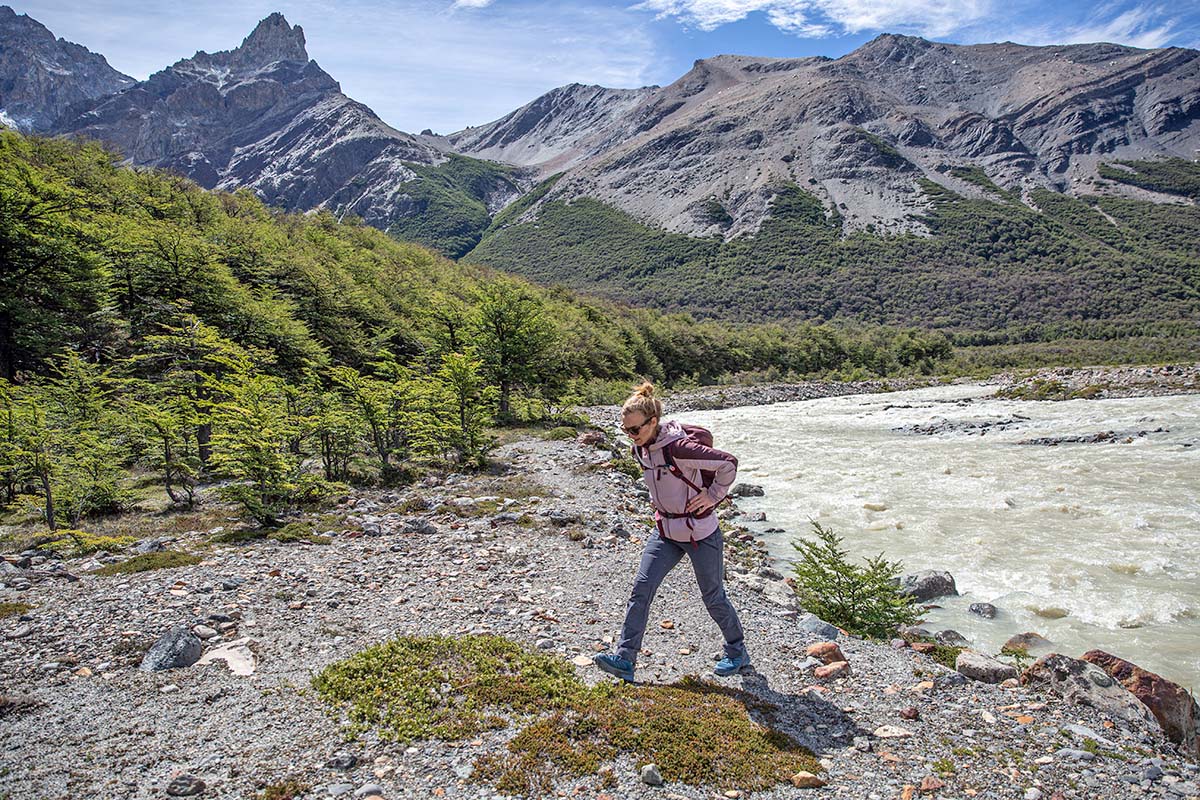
471 402
511 336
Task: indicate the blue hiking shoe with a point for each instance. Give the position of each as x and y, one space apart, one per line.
614 665
731 666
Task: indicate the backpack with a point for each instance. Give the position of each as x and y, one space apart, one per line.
699 435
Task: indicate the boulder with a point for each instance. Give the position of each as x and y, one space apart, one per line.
179 647
747 490
1085 684
1171 704
927 584
827 652
985 610
651 776
1024 642
811 623
951 638
984 669
593 438
838 669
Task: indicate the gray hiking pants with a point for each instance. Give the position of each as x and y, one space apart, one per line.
708 562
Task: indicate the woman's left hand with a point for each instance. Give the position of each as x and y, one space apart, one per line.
700 503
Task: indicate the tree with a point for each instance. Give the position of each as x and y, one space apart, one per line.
511 336
864 600
252 431
471 400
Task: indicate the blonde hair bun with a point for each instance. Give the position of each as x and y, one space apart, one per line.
643 402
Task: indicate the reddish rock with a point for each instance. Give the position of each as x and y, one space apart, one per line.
590 437
1169 702
838 669
930 784
910 713
924 648
827 652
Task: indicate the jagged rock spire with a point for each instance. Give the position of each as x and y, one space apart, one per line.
273 39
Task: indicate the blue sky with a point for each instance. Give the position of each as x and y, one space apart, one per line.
446 64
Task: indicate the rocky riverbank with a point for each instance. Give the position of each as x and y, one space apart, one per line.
541 552
1067 383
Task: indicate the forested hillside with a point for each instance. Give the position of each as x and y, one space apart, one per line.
990 264
148 326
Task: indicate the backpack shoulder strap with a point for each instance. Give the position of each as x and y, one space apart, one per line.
669 458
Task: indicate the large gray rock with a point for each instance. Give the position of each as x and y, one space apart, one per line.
811 623
927 584
984 669
179 647
747 490
1086 684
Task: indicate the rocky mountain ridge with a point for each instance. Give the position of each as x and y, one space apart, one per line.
41 76
857 131
264 116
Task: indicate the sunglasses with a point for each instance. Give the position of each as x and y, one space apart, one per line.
633 431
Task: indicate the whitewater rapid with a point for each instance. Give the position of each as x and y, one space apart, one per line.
1092 545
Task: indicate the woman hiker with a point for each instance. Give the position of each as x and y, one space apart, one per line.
672 461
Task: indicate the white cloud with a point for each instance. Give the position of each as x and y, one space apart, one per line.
827 17
1140 26
471 4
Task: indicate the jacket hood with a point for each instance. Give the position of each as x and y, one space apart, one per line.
668 432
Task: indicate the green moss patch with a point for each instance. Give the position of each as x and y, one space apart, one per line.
13 609
414 688
561 433
82 543
148 561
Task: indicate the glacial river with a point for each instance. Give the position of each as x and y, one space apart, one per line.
1091 545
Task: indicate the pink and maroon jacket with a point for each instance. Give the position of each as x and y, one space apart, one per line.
670 495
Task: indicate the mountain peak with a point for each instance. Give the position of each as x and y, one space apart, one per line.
273 39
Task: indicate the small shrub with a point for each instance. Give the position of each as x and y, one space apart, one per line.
943 767
288 790
145 562
864 600
561 433
13 609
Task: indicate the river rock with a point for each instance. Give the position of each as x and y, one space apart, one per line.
185 786
827 652
927 584
419 525
1023 642
1085 684
811 623
837 669
1171 704
952 638
747 490
179 647
984 669
985 610
651 776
